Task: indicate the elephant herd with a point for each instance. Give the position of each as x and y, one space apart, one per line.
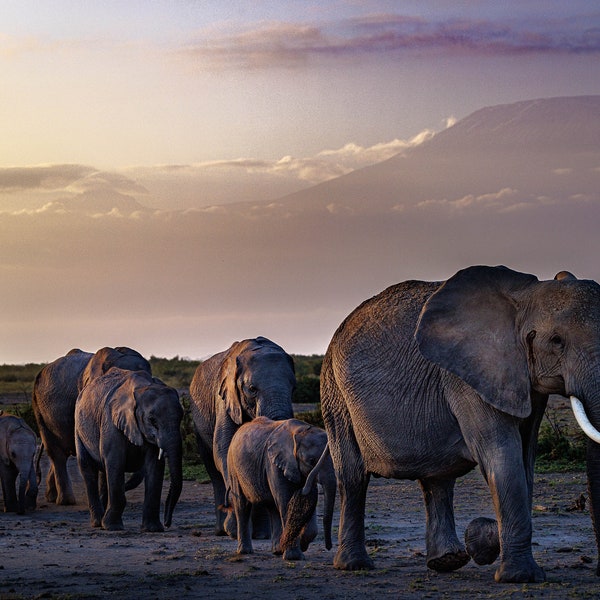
424 381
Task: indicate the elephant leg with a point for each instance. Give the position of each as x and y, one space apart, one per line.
89 471
51 492
353 481
9 489
444 550
60 490
115 482
276 531
218 485
243 512
503 469
154 471
261 523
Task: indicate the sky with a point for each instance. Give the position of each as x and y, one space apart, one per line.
192 105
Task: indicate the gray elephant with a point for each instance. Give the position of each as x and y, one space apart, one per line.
254 377
54 394
276 464
18 445
124 421
427 380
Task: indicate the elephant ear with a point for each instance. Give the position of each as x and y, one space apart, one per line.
228 390
122 407
281 451
468 327
99 364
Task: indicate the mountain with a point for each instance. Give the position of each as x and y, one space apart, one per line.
516 184
546 147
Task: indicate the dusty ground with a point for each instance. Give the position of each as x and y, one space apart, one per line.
53 552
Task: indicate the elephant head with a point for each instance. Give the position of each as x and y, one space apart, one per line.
301 452
106 358
257 378
510 337
148 411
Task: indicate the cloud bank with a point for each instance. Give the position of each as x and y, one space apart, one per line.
101 267
292 45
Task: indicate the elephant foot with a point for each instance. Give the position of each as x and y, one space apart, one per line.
153 527
451 561
352 561
242 549
116 525
66 499
520 571
482 540
293 554
261 535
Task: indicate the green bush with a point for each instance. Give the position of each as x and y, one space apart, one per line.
558 448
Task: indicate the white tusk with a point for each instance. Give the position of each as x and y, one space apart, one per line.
583 420
161 453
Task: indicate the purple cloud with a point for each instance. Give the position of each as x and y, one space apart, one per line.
292 45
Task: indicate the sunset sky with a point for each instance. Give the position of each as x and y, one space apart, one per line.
187 104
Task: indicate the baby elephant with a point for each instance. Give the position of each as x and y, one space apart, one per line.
276 464
18 445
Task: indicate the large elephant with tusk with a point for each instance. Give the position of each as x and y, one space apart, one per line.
429 379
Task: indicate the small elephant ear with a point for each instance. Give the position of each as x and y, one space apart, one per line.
468 327
281 451
228 389
122 407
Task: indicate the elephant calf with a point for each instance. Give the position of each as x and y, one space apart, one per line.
276 464
18 445
124 420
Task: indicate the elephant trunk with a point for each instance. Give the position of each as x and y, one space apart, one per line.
275 405
174 459
593 476
592 467
299 512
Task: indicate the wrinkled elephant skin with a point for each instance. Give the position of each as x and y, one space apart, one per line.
253 378
426 380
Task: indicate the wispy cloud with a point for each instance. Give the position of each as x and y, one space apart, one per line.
291 45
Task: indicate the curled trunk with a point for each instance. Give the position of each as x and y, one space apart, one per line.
174 458
299 512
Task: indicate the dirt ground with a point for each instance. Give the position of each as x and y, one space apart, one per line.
54 553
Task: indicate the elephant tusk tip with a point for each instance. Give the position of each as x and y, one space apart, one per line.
161 453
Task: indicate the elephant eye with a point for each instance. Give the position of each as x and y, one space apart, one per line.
557 340
252 390
153 421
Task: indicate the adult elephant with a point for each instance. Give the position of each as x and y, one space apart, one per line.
124 421
426 380
254 377
17 449
54 394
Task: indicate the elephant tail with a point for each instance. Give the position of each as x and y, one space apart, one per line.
299 512
226 506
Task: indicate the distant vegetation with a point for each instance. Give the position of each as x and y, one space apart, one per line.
561 446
